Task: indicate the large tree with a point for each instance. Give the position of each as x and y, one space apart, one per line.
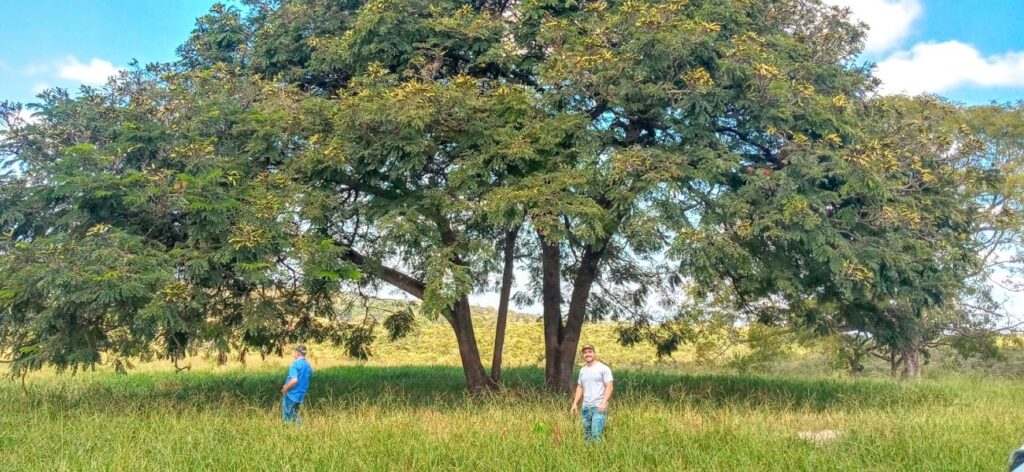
423 141
681 104
608 123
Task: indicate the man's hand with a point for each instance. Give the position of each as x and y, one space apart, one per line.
573 410
604 406
289 384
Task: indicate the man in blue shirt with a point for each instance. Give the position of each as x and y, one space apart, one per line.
295 386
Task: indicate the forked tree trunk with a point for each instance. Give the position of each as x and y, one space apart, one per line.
562 340
506 293
910 361
461 320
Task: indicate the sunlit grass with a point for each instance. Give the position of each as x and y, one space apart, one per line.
418 418
406 409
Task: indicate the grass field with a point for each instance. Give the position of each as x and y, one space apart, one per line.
381 416
417 418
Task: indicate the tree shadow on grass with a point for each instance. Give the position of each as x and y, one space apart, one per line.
782 392
440 387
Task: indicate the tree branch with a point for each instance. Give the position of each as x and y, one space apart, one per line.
766 152
395 277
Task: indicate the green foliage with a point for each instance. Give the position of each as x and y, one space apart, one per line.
400 324
767 346
875 235
174 226
982 345
304 146
358 340
67 300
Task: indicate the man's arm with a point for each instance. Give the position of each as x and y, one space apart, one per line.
289 384
293 378
576 399
609 386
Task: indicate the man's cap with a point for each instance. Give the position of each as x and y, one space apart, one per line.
588 346
301 349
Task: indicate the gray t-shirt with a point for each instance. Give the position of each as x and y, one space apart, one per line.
593 378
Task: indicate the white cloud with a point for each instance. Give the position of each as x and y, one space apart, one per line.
96 72
889 21
38 87
22 118
37 68
940 67
27 116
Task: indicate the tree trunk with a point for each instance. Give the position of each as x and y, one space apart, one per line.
569 340
462 322
894 362
459 318
856 367
472 366
506 291
551 288
911 363
561 341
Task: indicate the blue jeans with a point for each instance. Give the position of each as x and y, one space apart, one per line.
593 423
290 411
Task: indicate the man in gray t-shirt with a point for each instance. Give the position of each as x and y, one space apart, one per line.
594 388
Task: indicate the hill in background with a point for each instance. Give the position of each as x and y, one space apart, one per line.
778 352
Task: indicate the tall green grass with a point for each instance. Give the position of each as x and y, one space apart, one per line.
419 418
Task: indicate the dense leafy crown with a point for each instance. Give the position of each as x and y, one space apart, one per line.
225 198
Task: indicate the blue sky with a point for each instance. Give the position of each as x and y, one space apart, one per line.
968 50
69 42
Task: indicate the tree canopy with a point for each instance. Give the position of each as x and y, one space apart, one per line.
617 150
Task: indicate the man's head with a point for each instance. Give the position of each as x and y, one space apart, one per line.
300 351
588 353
